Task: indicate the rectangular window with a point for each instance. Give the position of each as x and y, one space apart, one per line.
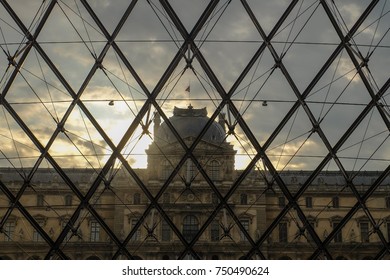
36 236
339 237
95 231
165 231
190 227
283 232
243 199
215 231
9 229
166 170
190 171
388 232
214 198
387 202
68 200
282 201
245 224
137 234
167 198
40 200
309 202
69 234
214 170
308 235
137 199
335 202
364 232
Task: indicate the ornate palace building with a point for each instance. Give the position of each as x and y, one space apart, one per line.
191 220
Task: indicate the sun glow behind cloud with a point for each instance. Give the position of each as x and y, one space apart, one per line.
149 48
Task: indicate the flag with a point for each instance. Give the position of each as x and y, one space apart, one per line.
188 89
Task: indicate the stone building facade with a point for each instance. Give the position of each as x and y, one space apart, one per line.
184 187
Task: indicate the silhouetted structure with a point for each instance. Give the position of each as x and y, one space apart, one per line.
188 205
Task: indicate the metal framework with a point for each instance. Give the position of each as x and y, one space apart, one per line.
190 50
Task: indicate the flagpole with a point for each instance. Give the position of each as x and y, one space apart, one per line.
188 89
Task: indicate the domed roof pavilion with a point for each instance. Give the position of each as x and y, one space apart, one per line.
190 122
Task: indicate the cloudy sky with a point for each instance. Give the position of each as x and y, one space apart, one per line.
149 41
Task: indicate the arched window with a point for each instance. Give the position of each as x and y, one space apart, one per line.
214 170
190 227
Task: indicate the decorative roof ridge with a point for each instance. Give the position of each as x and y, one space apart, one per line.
189 112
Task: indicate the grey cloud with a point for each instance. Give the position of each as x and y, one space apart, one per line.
227 59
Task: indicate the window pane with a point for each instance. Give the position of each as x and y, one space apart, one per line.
95 232
166 170
40 200
137 198
68 200
165 231
215 231
387 202
243 199
69 234
214 170
282 201
388 232
308 235
335 202
338 238
364 234
36 236
9 229
245 224
309 202
137 234
190 227
283 232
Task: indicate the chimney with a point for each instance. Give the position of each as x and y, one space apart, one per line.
157 122
221 121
